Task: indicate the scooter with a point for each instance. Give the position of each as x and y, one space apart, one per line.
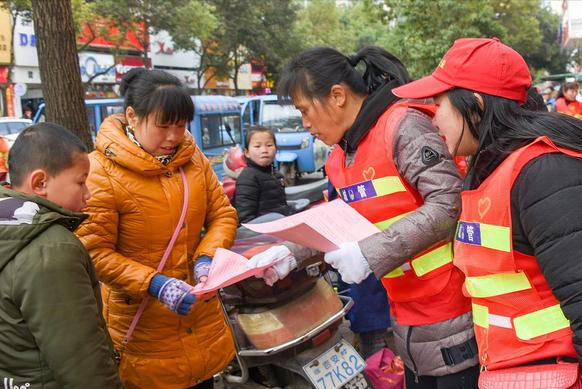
289 335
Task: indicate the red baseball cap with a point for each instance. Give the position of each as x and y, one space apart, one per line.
478 64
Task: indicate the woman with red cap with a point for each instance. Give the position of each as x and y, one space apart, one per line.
519 237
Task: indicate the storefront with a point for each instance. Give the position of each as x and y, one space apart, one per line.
180 63
98 74
25 72
222 86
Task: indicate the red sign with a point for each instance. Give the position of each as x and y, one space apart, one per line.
3 74
104 33
125 64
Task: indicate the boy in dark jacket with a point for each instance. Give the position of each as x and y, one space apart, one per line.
52 332
259 188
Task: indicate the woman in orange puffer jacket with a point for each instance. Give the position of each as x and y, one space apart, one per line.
137 196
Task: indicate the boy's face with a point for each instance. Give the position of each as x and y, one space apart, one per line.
67 188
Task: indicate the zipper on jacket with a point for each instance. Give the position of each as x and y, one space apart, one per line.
415 369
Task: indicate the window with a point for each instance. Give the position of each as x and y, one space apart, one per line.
7 128
247 116
256 109
282 118
214 130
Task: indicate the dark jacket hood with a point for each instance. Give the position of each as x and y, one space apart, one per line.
24 217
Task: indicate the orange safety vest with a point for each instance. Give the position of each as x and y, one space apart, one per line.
517 318
419 290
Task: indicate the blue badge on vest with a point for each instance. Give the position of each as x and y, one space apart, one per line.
360 191
469 233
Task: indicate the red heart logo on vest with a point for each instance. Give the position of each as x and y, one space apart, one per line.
369 173
483 206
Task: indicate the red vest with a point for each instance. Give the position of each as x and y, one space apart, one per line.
517 318
427 288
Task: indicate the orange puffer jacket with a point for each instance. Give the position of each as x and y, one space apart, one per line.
135 205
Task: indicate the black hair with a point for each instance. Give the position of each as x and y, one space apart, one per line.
502 126
313 72
568 85
256 129
535 101
155 91
46 146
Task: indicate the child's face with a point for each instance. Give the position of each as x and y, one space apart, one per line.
67 188
261 148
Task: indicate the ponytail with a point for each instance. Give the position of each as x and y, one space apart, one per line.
315 71
381 67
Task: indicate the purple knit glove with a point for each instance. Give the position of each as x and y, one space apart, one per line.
173 293
202 267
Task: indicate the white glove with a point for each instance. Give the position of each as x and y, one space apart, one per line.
282 259
349 261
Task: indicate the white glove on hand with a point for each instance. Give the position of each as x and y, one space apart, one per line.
282 260
349 261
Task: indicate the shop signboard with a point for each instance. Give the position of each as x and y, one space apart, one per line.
126 63
134 36
5 36
92 64
24 43
180 63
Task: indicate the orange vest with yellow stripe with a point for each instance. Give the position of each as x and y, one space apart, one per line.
373 186
517 318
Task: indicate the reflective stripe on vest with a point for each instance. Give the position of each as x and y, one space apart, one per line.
426 262
372 188
531 325
485 235
496 284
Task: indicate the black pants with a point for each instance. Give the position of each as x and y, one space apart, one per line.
465 379
208 384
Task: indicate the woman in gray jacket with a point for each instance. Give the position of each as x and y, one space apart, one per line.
392 167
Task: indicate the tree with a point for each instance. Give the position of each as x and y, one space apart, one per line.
198 36
549 56
254 31
368 23
322 23
59 66
519 18
423 31
142 17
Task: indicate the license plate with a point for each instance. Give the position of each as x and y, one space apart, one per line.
335 367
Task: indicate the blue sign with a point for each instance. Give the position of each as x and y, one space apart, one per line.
469 233
357 192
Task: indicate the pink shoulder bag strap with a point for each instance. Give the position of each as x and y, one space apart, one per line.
145 301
